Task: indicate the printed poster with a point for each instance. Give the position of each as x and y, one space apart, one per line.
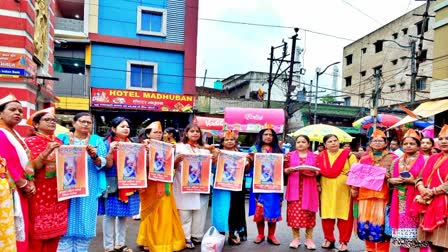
268 173
196 173
366 176
71 171
131 165
161 166
230 170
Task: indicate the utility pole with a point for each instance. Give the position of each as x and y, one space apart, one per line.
319 73
270 82
271 59
414 71
374 112
289 88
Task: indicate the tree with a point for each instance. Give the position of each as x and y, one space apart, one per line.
328 99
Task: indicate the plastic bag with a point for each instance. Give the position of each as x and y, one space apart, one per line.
213 241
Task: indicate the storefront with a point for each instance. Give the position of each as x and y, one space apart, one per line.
140 107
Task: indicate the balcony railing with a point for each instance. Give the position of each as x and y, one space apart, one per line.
67 24
72 85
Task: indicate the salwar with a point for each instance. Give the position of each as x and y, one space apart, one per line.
193 221
74 244
308 233
378 246
111 225
41 245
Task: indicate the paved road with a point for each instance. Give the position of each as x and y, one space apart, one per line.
283 234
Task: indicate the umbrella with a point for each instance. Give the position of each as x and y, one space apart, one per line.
428 131
383 120
60 129
317 132
423 124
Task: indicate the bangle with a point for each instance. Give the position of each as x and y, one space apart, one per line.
95 157
22 186
41 156
434 190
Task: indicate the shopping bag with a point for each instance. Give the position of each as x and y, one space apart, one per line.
213 241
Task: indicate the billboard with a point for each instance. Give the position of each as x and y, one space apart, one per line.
16 65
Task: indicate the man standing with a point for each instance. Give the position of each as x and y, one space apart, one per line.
395 147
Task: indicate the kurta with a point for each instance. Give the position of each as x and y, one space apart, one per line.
48 216
335 193
7 228
83 211
372 204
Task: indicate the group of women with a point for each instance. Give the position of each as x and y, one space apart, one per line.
410 210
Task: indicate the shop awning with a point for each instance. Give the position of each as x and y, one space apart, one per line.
252 120
212 125
424 110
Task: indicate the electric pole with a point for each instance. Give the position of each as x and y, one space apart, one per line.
271 78
375 96
414 71
289 89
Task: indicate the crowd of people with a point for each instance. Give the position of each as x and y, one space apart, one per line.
409 211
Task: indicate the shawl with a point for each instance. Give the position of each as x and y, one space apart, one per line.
434 174
332 171
37 144
411 192
310 194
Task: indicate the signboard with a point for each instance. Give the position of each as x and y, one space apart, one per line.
15 65
140 100
209 123
251 120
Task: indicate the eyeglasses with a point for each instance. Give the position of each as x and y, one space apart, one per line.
377 141
49 120
85 122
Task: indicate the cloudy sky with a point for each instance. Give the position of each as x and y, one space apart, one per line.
225 48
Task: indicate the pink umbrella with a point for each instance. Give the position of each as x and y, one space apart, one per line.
428 131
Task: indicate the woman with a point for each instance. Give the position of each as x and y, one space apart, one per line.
335 198
123 203
228 212
48 216
405 169
171 135
17 157
372 204
301 193
82 212
266 206
160 227
7 228
192 207
432 205
426 146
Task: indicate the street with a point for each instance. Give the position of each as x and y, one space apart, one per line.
283 234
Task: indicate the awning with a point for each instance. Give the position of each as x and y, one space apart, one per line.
425 110
252 120
212 125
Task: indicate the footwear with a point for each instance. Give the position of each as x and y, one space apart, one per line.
233 240
343 247
273 240
259 239
189 244
242 235
123 248
309 244
143 248
196 241
328 244
295 243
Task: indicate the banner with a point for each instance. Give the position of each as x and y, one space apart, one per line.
268 173
141 100
131 165
71 171
252 120
230 170
195 173
366 176
161 166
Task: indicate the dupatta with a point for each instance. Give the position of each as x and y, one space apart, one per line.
332 171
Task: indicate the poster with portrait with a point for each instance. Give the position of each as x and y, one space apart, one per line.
230 170
268 173
161 165
131 165
71 171
195 173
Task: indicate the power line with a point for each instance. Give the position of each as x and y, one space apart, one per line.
362 12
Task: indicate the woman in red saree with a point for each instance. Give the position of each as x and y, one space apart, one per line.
48 216
432 203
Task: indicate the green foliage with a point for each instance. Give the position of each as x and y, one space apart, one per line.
328 99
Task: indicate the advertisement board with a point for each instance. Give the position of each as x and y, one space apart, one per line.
15 65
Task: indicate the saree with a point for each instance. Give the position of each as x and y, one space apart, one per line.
7 229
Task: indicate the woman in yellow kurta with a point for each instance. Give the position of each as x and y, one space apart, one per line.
335 197
7 230
160 227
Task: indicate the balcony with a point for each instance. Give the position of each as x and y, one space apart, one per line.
70 21
71 85
68 24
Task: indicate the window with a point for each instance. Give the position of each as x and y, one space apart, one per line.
349 59
402 84
423 56
347 101
405 31
395 35
364 50
378 46
362 95
141 75
151 21
378 69
348 81
392 87
420 26
363 73
394 62
421 84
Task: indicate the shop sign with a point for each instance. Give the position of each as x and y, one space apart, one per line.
16 65
140 100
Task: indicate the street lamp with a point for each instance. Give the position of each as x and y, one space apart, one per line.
318 73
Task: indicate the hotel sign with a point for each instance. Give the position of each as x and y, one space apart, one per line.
140 100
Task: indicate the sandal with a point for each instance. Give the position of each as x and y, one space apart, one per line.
189 244
123 248
309 244
259 239
328 244
343 247
233 240
295 243
273 240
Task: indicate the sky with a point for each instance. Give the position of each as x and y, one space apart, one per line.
225 48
